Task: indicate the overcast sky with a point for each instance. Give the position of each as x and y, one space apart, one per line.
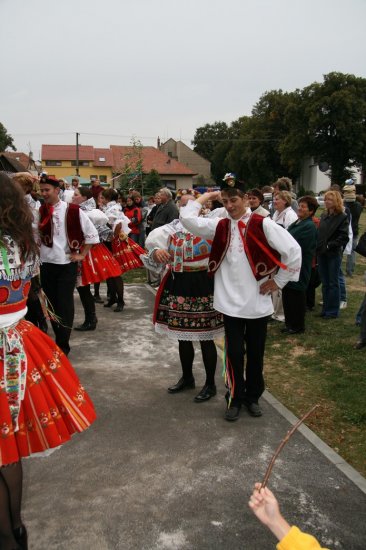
152 68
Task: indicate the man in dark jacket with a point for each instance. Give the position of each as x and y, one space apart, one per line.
167 211
355 209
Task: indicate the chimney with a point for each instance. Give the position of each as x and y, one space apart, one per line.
158 144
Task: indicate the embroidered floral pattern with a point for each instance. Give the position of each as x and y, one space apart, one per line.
180 313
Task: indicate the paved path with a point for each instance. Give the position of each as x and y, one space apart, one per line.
158 471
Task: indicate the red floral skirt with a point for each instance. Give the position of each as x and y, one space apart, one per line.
127 253
55 404
98 265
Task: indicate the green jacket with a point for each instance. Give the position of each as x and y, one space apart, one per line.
305 233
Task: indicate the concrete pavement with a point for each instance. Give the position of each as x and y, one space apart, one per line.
158 471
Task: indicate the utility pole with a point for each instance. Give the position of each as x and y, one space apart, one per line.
77 153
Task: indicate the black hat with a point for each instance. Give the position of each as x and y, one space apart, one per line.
229 182
50 180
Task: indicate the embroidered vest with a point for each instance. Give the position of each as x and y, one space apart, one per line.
74 232
262 258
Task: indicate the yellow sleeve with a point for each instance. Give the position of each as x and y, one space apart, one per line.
297 540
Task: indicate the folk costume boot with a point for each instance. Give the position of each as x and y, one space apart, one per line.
21 536
90 323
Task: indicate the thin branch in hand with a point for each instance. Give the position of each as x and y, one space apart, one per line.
283 443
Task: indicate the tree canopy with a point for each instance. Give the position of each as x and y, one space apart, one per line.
326 121
5 139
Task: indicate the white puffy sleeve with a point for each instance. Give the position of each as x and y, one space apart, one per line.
289 250
196 224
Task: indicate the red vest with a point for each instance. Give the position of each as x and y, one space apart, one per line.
263 259
74 232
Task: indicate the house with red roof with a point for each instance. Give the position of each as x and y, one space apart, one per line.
107 164
60 161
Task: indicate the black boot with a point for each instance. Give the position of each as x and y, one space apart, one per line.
89 324
110 302
120 306
21 536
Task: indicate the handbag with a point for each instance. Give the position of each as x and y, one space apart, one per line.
361 245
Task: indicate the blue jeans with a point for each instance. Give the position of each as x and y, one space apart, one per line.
329 266
342 286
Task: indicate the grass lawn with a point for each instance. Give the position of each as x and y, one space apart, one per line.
322 367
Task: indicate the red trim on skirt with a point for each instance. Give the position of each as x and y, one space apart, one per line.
127 253
99 265
55 404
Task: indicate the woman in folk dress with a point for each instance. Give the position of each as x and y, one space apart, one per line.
42 402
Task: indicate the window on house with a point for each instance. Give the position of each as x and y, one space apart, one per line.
103 179
81 163
170 184
93 176
53 163
101 159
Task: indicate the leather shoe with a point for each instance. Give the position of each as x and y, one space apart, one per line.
359 345
253 408
232 414
119 307
110 303
98 300
182 385
90 325
205 394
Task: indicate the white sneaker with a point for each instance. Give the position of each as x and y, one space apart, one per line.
342 305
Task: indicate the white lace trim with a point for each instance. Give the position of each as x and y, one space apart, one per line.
189 335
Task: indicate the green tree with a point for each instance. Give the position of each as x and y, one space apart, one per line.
328 122
207 138
131 175
5 139
255 154
152 183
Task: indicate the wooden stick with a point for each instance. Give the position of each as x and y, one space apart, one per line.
283 443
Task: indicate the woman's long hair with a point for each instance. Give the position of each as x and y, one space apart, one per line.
16 217
337 198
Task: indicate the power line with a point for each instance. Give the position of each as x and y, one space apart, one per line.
202 140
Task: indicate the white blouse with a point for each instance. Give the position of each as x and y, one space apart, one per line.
236 289
59 253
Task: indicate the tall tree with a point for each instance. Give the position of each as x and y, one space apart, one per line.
5 139
256 156
207 137
330 117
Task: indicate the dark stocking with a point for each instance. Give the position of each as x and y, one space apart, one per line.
119 289
186 354
96 289
11 482
112 294
209 356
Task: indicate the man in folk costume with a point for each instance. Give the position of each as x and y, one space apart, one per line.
251 256
67 235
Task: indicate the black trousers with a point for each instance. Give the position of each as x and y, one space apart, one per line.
87 302
246 336
58 282
294 307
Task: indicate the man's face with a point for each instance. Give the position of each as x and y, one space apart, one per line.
163 198
49 193
236 205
